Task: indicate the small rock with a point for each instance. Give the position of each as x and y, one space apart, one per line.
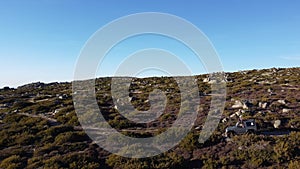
262 105
237 104
56 111
277 123
198 128
285 110
224 120
245 106
238 113
205 80
232 116
281 101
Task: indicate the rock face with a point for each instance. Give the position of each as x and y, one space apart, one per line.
277 123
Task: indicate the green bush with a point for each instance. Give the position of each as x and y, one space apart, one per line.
70 137
12 162
294 164
169 160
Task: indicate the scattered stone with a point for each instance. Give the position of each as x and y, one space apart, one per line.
286 110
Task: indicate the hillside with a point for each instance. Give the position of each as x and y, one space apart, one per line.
39 127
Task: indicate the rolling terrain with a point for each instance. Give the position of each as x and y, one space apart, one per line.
39 127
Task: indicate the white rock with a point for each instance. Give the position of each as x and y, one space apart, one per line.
232 116
56 111
237 104
259 104
262 105
238 113
245 106
281 101
224 120
285 110
205 80
198 127
212 81
277 123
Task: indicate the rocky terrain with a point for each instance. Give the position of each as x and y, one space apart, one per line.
39 127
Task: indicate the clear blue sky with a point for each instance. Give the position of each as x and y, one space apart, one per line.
40 40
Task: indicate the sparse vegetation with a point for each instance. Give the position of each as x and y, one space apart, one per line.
39 126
